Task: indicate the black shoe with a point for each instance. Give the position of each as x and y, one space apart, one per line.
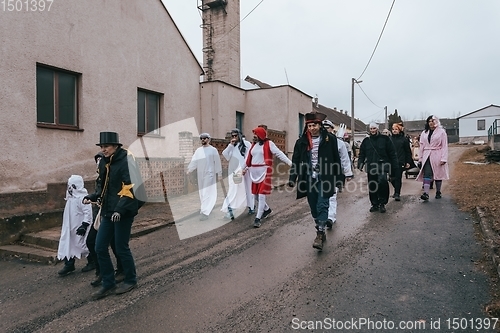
89 267
397 197
382 208
97 282
66 270
374 208
256 223
329 224
438 195
266 213
103 292
424 196
251 211
318 241
125 287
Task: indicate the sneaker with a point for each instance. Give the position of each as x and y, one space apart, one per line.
229 216
125 287
89 267
203 217
103 292
424 196
251 211
97 282
374 208
382 208
66 270
329 224
438 195
267 213
397 197
256 223
318 241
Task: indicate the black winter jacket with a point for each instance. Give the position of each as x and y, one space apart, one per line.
330 170
403 150
377 149
118 183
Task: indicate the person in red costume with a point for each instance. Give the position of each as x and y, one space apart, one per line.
259 164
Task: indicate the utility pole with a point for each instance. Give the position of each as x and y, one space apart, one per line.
386 120
352 109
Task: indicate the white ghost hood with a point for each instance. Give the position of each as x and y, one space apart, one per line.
75 187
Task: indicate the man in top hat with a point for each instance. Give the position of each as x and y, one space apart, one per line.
206 162
259 164
316 170
120 193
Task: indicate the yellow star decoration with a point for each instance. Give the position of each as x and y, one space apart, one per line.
125 192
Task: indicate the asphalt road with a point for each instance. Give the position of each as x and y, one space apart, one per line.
418 266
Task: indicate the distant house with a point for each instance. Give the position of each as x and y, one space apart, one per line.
474 125
451 125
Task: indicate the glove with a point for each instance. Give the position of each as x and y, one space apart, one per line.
82 229
86 199
115 217
290 183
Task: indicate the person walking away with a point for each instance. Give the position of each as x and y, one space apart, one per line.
316 170
377 153
433 156
240 187
259 166
206 162
120 190
76 220
91 238
403 153
345 163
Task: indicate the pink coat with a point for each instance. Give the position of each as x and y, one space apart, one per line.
436 151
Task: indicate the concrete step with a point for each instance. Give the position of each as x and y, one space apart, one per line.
29 253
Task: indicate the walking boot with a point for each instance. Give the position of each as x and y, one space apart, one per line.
382 208
374 208
397 197
318 241
424 196
97 282
66 270
329 224
438 195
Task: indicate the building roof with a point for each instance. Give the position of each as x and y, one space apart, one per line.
468 114
419 125
339 117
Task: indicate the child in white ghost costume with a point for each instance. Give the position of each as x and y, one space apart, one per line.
77 218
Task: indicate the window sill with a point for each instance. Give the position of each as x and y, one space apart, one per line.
59 127
152 136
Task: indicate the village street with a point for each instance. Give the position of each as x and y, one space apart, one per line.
416 267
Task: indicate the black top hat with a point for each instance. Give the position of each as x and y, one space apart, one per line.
315 117
108 138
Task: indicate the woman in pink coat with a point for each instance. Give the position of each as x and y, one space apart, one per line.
433 156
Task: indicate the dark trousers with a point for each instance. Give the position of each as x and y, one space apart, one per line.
397 181
90 242
317 203
378 188
121 232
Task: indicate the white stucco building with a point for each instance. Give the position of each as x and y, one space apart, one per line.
474 126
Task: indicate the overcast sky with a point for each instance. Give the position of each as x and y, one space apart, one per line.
437 57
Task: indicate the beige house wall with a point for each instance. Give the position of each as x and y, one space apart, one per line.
117 46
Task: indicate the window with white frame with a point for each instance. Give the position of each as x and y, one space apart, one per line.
56 98
148 112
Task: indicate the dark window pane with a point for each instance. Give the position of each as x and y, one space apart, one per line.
44 95
141 112
152 121
67 99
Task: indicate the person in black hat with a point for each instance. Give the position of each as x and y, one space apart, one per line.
120 192
316 170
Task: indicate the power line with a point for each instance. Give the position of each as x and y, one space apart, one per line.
387 19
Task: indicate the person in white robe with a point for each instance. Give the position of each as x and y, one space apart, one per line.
345 162
77 218
206 162
239 193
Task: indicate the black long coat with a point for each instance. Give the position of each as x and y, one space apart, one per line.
330 170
